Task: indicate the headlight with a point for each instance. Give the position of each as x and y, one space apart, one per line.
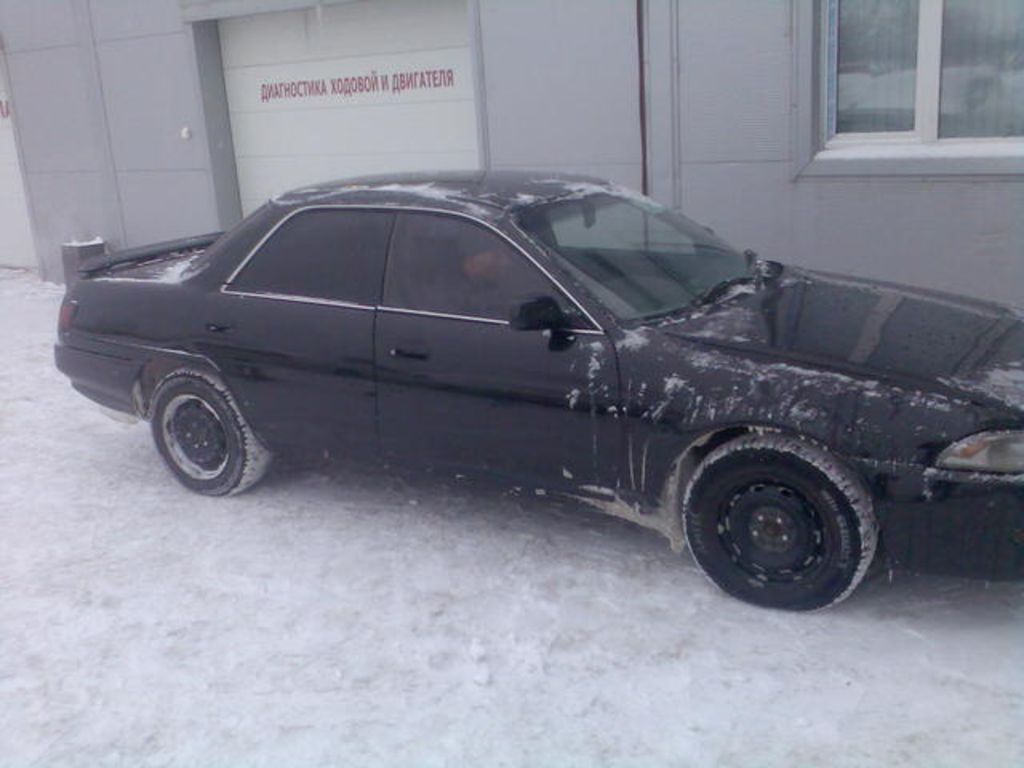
986 452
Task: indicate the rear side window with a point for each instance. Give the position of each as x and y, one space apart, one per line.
452 266
322 254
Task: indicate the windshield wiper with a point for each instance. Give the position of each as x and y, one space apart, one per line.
662 314
721 289
759 273
706 296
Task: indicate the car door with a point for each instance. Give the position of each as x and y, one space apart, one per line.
459 387
292 330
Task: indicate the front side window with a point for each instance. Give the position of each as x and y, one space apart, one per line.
925 69
451 266
635 256
328 254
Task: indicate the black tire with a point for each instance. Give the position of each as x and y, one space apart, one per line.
779 522
202 436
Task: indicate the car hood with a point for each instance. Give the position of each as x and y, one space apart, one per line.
912 337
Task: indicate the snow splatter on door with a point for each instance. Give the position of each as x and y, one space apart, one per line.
350 89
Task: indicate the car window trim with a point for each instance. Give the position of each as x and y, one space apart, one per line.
226 288
299 299
442 315
295 297
475 319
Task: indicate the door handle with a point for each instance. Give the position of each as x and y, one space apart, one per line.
218 328
409 354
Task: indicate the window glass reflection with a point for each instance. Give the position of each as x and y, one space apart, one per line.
876 65
982 91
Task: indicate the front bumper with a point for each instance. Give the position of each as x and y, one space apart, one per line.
962 524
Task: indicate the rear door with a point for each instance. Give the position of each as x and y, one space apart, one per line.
293 329
458 387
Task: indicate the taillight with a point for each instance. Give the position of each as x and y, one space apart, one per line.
67 315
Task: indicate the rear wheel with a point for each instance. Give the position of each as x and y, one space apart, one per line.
779 522
203 437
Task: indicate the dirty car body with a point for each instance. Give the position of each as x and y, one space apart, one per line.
571 370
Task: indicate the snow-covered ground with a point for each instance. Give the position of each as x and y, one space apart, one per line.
332 618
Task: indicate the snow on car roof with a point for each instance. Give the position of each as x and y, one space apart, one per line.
486 193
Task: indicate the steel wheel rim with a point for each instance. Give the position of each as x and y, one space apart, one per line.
195 437
772 533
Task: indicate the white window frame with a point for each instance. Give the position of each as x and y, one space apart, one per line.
923 140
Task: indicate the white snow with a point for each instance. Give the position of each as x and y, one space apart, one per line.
1007 384
428 190
79 243
576 189
171 271
633 339
573 397
337 618
176 272
674 384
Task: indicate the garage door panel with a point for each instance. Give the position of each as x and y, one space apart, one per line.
266 177
438 128
351 30
266 174
297 120
252 88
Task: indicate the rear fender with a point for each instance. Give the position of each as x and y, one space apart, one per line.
162 365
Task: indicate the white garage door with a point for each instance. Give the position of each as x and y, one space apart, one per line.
16 248
350 89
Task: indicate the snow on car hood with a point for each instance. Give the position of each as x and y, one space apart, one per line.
881 330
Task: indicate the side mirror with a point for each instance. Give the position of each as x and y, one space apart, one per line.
542 313
763 269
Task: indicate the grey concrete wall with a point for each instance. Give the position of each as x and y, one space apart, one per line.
61 128
103 91
731 107
561 86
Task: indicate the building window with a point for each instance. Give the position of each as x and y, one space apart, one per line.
924 70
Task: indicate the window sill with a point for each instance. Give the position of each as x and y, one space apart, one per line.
993 157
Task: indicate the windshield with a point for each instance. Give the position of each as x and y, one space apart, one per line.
640 259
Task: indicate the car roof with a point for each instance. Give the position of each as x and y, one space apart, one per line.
488 194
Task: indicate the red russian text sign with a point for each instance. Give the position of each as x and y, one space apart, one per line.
373 83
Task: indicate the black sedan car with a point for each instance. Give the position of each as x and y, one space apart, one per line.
572 336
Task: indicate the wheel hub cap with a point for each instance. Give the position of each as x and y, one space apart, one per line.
772 529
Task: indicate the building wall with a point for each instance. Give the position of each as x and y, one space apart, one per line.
101 91
111 122
561 86
16 248
727 135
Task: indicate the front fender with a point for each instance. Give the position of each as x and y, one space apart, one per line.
673 401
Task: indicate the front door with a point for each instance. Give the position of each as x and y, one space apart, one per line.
458 387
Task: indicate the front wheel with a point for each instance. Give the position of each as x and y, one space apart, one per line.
203 437
779 522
